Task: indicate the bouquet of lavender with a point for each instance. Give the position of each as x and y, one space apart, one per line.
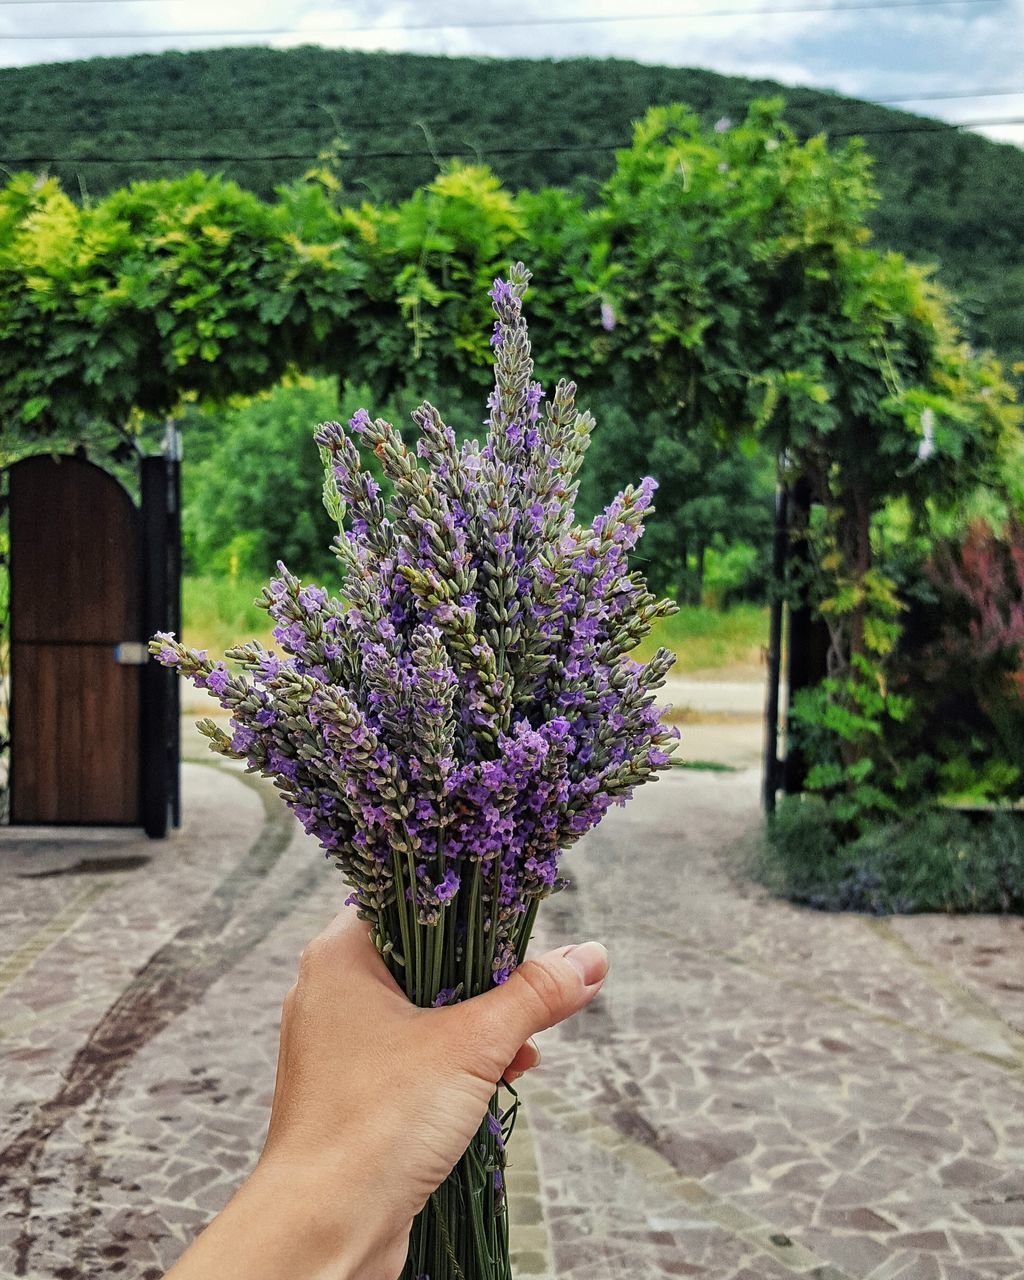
464 713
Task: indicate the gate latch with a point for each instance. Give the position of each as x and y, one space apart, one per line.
131 653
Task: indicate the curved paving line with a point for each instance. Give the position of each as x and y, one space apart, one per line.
954 991
950 1043
60 923
1013 1061
175 977
656 1167
530 1233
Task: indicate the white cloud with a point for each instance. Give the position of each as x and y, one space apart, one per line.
693 40
874 54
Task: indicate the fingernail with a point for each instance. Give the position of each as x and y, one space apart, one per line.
590 960
533 1045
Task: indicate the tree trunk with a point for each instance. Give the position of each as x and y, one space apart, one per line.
855 547
698 586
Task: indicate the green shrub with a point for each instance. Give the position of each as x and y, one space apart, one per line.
803 849
1006 849
933 862
938 860
737 573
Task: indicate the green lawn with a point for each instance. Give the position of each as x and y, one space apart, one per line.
218 612
711 640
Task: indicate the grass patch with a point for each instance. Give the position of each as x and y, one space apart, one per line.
218 611
709 640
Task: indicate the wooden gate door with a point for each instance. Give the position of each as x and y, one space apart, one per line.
75 575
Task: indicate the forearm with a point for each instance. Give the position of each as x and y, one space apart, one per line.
281 1227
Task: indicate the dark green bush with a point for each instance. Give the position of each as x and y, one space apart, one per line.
936 860
803 848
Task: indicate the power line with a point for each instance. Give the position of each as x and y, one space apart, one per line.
204 126
855 7
937 127
351 155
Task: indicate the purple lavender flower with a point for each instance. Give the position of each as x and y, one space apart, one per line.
470 709
217 680
166 653
472 703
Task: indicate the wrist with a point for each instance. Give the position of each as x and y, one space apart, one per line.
287 1223
339 1234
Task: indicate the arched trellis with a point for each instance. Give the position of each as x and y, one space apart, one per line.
722 281
90 543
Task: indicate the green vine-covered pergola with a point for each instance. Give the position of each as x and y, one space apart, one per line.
721 279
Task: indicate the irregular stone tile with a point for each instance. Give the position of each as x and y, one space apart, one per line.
760 1091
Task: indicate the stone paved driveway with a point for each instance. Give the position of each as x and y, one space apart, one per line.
760 1092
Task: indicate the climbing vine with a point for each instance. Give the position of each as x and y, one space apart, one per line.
722 286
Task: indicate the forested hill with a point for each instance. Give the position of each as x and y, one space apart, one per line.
260 116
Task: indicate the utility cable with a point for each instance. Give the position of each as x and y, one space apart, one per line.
857 6
937 127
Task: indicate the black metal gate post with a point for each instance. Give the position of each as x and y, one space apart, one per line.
161 611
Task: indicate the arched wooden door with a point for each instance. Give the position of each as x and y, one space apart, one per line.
75 597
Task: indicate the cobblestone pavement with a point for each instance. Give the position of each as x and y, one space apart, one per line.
760 1092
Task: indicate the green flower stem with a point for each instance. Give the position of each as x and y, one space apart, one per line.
436 979
471 931
525 931
406 976
417 928
462 1234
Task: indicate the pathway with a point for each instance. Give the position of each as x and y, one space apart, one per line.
760 1092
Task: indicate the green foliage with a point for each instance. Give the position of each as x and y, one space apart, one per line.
738 573
845 725
721 286
983 779
163 288
936 860
218 608
948 196
705 639
707 222
709 497
253 496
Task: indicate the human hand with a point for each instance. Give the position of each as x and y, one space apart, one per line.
375 1102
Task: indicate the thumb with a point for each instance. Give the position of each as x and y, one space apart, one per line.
539 994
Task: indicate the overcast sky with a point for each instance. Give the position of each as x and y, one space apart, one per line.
868 48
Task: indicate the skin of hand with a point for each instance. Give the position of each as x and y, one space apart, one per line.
375 1102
